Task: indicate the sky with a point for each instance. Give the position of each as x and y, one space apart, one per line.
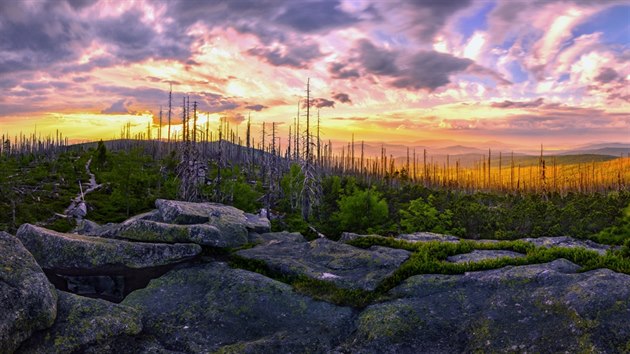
521 72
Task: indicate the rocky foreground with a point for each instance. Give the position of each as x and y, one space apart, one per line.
160 282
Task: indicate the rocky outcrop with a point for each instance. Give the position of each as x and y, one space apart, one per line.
206 224
58 251
225 218
534 308
28 302
201 234
81 323
210 307
568 242
482 255
344 265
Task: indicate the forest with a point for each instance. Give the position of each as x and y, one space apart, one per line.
36 186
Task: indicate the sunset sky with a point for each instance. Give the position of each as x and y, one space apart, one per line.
519 72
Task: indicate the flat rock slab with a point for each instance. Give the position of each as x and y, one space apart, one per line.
415 237
569 242
276 237
482 255
208 307
83 322
344 265
219 215
201 234
535 308
427 237
63 252
28 302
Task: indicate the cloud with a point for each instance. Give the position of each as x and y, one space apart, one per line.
256 107
135 40
423 20
296 56
33 37
314 16
339 71
429 70
430 16
320 103
376 60
357 119
511 104
149 98
118 107
342 97
423 69
607 75
234 118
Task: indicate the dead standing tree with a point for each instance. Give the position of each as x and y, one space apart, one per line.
311 188
191 170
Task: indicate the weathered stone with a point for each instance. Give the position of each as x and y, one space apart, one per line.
109 287
350 236
482 255
346 237
225 218
205 307
186 213
86 227
58 251
28 302
201 234
345 265
276 237
534 308
427 237
83 322
569 242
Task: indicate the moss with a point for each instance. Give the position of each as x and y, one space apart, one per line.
390 322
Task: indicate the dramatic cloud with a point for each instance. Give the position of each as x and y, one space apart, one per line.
340 71
429 70
607 75
312 16
297 56
385 66
376 60
342 97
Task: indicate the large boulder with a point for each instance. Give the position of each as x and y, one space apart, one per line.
344 265
28 302
83 322
59 251
201 234
534 308
206 307
225 218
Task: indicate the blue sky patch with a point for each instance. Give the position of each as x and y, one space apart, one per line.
477 22
614 23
